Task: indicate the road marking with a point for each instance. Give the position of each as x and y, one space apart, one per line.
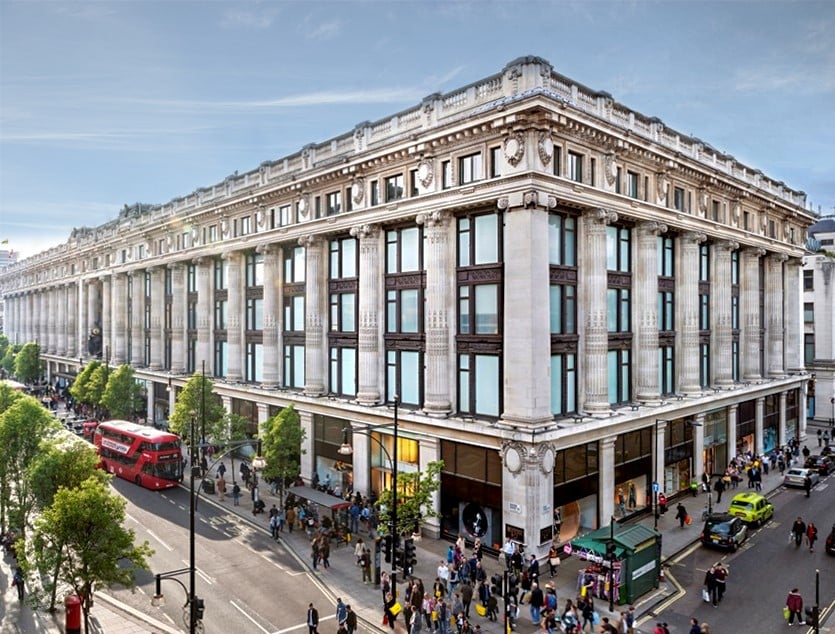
241 610
207 578
166 546
303 625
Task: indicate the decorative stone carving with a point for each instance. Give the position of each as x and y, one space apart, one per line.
546 458
260 216
304 206
439 217
309 240
704 198
604 216
662 186
358 190
610 168
365 231
425 173
514 148
513 456
545 147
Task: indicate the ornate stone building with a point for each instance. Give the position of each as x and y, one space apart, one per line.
570 299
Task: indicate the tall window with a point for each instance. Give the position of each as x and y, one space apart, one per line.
678 198
495 162
619 309
294 313
562 240
469 168
254 270
575 166
220 275
285 215
446 175
403 310
808 312
375 193
254 313
343 311
294 366
563 309
334 203
704 312
632 184
343 258
253 372
343 371
666 311
704 262
563 383
619 376
294 265
403 252
809 348
394 187
666 369
704 364
220 314
618 249
404 376
478 240
220 365
666 256
479 384
478 309
808 280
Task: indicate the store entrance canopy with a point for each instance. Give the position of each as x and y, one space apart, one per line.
318 497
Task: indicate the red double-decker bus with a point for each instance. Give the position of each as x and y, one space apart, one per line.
149 457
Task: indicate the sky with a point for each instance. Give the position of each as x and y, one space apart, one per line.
115 102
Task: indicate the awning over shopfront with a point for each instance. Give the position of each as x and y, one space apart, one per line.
318 497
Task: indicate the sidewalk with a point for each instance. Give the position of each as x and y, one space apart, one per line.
344 578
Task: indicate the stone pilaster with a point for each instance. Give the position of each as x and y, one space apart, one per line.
439 297
178 318
687 313
526 350
83 292
781 426
659 433
749 335
272 310
72 319
315 306
594 344
606 479
721 335
94 316
698 446
205 312
733 418
307 461
774 315
51 296
369 308
234 314
646 308
430 451
107 317
137 319
119 319
759 409
157 316
793 332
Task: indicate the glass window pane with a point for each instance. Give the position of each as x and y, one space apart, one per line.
349 258
298 313
464 242
348 312
554 239
409 249
391 311
298 265
349 371
556 309
487 239
487 384
612 309
391 252
612 375
410 377
556 384
487 309
409 310
464 383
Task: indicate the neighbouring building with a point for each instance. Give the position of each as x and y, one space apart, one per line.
566 299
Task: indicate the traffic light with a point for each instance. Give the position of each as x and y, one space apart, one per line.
387 544
409 554
610 550
197 609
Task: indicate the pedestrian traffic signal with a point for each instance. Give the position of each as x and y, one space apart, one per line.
610 550
410 553
197 609
387 544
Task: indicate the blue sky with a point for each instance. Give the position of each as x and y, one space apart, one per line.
113 102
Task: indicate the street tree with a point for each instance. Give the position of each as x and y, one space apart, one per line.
84 389
416 491
233 432
122 396
83 537
7 361
4 345
22 427
27 363
197 404
64 461
281 444
8 395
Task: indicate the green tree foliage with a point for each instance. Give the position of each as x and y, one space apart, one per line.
281 444
22 427
84 388
416 491
233 431
7 360
195 401
122 396
8 396
5 344
27 363
82 537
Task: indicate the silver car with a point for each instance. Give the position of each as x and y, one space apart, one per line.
796 476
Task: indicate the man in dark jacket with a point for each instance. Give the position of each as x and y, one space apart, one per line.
719 487
312 619
533 569
537 601
466 591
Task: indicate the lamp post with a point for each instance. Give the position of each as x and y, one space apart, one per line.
346 449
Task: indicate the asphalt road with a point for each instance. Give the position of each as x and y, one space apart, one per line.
762 571
249 583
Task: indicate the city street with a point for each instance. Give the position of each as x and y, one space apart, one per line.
249 583
762 572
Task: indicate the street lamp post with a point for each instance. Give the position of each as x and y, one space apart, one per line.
346 449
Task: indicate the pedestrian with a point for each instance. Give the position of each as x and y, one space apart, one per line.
681 514
794 602
365 563
236 493
312 620
341 612
721 574
466 596
221 470
695 628
274 527
631 617
221 488
350 620
798 530
533 568
622 502
811 535
325 551
806 453
19 582
553 559
710 586
719 487
537 600
807 484
314 553
291 518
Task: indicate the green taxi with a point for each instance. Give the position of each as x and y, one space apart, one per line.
751 508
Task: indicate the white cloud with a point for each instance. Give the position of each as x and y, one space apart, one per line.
325 31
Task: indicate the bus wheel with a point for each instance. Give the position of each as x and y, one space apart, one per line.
138 480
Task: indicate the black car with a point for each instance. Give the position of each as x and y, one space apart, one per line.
723 530
822 464
830 542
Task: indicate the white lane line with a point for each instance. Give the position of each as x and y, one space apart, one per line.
241 610
207 578
303 625
156 537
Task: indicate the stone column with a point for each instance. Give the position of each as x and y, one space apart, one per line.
157 316
150 403
51 296
94 316
733 415
527 489
72 319
793 329
178 318
106 317
592 313
83 304
430 451
721 336
137 319
687 313
369 309
263 413
526 350
272 311
646 309
234 314
119 318
698 446
606 480
749 291
774 315
659 433
759 406
438 327
307 460
205 312
781 427
360 462
316 308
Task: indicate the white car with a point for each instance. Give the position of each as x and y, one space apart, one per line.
796 476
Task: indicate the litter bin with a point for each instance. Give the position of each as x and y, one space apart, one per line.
209 486
72 620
